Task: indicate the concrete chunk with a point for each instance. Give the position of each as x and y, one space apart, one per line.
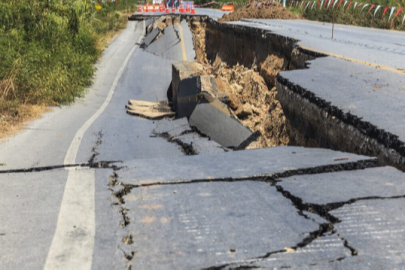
181 71
187 97
149 110
225 130
150 38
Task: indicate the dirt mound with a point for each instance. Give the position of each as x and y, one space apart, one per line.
253 103
251 91
257 12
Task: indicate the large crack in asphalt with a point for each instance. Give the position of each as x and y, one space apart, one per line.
177 34
92 165
187 149
161 34
272 179
320 210
118 191
94 151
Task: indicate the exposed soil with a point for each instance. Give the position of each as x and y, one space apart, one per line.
263 12
12 123
252 92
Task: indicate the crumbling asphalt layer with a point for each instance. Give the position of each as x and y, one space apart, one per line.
273 181
387 139
326 228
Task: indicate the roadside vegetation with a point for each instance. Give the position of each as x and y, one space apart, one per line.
358 16
339 15
48 49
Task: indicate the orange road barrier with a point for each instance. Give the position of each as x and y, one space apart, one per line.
227 8
167 9
192 9
187 8
181 8
173 9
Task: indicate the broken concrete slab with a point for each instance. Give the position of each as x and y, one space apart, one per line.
358 115
180 132
149 110
371 225
322 188
199 145
150 37
189 90
166 44
187 98
225 130
172 229
149 22
172 128
241 164
181 71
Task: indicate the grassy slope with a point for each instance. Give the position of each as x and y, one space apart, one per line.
358 16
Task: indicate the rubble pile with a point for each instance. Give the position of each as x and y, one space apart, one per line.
253 102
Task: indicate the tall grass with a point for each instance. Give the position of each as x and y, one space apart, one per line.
358 16
48 48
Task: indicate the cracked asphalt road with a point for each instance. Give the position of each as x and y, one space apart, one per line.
129 198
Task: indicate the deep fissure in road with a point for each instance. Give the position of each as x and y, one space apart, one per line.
246 62
293 115
119 190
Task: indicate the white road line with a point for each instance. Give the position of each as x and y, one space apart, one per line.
73 242
74 146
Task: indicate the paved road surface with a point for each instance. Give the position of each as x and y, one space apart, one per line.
87 186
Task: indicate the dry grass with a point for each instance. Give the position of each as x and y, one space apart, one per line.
105 40
10 124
